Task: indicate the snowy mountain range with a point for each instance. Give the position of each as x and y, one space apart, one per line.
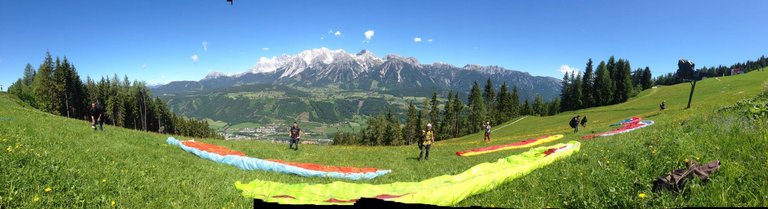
365 71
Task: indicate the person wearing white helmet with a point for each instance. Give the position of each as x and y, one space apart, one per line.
428 137
487 128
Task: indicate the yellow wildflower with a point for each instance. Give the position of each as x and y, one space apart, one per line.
48 189
113 203
641 195
103 180
35 199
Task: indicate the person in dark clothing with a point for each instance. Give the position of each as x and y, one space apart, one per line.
420 143
428 137
662 106
295 135
97 116
575 124
584 122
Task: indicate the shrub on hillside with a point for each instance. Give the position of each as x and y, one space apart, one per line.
754 108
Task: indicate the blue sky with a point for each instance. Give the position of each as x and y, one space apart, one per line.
154 41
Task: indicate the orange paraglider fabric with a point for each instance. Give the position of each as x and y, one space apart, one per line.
223 151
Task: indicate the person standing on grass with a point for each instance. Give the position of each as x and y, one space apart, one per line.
427 140
487 128
97 116
420 143
574 124
578 120
662 106
295 135
584 122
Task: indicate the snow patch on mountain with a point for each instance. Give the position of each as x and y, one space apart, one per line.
269 64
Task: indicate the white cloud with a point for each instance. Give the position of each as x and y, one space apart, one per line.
205 46
429 40
568 69
368 36
195 58
417 39
322 38
330 31
337 33
265 49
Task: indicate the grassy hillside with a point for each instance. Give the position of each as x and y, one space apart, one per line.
136 169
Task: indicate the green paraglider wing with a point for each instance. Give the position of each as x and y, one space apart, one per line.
443 190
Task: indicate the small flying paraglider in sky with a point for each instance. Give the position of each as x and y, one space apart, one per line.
230 2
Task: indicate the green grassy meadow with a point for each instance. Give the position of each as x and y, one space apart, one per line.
50 161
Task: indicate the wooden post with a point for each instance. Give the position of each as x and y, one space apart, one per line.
693 86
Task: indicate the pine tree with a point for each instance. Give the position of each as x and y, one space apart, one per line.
628 80
458 116
434 112
637 77
381 130
23 89
539 106
369 132
619 81
515 105
392 131
411 124
58 79
611 65
503 100
143 100
623 81
162 116
43 85
554 107
526 109
477 111
646 82
29 75
588 86
603 85
397 133
489 96
424 114
576 91
68 89
78 92
446 127
419 125
102 90
566 94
